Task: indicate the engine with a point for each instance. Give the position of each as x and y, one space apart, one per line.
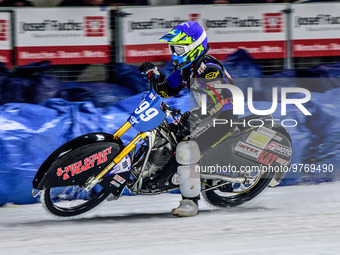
159 156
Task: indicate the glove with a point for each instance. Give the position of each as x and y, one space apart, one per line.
149 70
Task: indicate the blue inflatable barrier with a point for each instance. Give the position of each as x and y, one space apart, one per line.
29 84
29 133
241 64
319 71
324 126
130 77
100 93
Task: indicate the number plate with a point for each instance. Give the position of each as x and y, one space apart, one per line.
148 114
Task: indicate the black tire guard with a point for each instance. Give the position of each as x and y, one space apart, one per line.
77 160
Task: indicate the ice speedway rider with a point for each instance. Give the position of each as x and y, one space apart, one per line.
200 72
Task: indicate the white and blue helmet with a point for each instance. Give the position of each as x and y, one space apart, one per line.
187 42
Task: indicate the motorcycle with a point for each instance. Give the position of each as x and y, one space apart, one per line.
95 167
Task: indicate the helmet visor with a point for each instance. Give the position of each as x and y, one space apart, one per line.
178 50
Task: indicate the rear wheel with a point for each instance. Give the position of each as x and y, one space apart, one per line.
227 194
72 200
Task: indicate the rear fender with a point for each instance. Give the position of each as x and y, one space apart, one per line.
257 145
77 160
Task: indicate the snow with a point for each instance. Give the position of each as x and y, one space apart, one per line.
283 220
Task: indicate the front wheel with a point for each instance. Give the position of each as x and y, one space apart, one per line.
70 201
227 194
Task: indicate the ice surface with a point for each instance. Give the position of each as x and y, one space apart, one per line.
282 220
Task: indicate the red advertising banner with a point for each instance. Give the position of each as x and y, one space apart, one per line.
59 55
316 30
62 35
316 47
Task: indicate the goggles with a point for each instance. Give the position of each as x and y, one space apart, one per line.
177 50
180 50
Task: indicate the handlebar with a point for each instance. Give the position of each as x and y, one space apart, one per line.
172 111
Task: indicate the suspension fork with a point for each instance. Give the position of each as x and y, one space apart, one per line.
90 183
